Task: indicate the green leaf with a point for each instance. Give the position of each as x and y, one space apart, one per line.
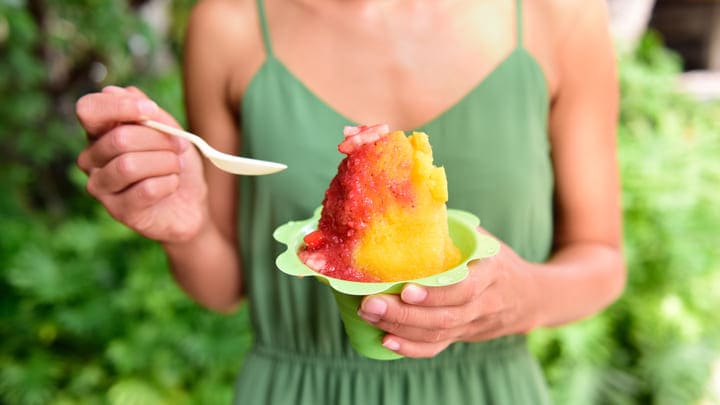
133 391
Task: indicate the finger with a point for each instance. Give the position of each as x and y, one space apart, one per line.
161 115
130 168
126 139
484 328
136 91
409 348
452 295
420 334
389 310
99 112
140 196
113 90
129 90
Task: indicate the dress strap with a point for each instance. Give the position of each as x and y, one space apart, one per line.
264 26
518 23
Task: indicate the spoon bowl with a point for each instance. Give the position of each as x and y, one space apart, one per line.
223 161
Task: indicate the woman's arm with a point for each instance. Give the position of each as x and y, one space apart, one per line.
587 271
208 267
158 185
505 294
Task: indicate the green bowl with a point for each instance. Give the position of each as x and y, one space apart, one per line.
365 338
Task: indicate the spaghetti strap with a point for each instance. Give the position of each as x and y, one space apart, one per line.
264 26
518 23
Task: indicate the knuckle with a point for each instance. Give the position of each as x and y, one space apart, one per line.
472 293
391 327
120 139
154 189
448 319
91 186
403 315
148 190
126 166
83 161
435 336
127 105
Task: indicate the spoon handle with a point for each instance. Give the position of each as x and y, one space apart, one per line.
228 163
196 140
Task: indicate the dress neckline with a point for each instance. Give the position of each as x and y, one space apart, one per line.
272 60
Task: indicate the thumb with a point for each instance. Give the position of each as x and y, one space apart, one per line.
157 115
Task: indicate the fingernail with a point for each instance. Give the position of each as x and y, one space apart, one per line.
413 294
391 344
368 317
147 108
374 306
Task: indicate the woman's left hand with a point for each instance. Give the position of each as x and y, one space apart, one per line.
497 298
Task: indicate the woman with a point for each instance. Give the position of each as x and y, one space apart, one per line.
520 102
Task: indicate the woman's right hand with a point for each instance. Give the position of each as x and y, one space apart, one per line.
149 181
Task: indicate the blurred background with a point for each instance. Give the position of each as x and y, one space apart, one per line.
90 315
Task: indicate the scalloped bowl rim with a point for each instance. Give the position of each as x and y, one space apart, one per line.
463 229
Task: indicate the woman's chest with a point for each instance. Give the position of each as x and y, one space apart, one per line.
401 69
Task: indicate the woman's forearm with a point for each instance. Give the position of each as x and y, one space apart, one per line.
578 281
208 269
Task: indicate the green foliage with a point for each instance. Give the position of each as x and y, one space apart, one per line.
90 315
88 311
658 342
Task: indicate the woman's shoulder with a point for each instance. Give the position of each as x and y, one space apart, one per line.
229 31
562 17
556 29
227 21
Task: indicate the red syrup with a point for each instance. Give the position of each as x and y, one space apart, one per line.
361 189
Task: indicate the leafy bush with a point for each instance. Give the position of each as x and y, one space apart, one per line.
659 341
89 313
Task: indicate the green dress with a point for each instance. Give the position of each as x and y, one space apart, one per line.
494 147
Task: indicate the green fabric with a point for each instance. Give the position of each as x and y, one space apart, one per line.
494 147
